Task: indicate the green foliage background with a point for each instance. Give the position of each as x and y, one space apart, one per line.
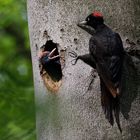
17 111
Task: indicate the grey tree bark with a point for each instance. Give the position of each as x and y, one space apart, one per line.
74 112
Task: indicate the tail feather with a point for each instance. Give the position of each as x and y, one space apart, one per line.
110 105
107 107
116 108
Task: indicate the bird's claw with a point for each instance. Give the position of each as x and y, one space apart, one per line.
74 61
72 54
75 56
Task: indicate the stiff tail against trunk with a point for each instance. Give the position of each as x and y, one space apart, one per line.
110 105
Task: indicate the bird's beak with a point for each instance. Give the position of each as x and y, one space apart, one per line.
86 27
82 23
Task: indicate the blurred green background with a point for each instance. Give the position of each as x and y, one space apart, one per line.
17 109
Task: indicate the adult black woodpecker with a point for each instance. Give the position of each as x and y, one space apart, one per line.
106 56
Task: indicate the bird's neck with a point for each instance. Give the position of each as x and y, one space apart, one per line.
99 27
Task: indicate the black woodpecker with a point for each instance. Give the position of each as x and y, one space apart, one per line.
106 56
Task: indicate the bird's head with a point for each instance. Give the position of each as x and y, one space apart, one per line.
93 20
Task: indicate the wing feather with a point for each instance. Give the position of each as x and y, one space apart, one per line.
109 70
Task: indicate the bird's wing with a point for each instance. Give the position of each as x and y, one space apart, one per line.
105 76
109 74
111 81
102 70
116 61
115 70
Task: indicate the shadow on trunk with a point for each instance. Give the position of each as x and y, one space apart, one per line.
130 83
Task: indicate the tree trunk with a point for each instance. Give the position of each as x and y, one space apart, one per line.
74 112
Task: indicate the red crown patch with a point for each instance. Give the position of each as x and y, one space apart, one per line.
97 14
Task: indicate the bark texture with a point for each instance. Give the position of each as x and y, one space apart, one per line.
75 112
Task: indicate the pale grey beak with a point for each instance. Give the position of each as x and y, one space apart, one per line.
86 27
82 23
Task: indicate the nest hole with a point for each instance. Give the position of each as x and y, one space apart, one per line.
53 68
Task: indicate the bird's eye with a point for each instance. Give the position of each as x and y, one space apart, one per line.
88 19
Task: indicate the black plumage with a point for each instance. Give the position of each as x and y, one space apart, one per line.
106 56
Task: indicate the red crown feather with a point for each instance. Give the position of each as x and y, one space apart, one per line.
97 14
